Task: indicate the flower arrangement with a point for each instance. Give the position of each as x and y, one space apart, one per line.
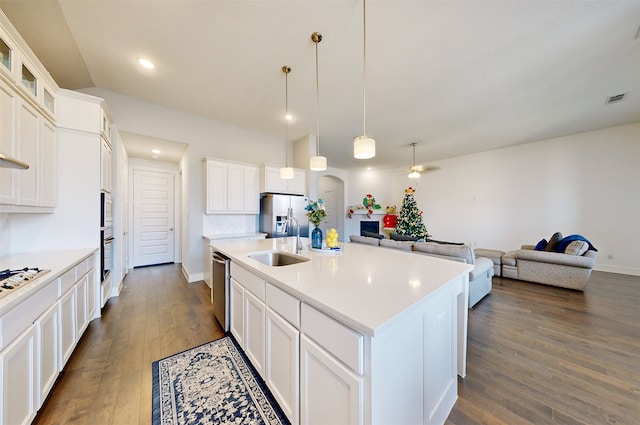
316 212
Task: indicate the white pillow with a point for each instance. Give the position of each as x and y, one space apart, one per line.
576 248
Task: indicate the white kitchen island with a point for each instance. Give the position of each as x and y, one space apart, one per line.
366 336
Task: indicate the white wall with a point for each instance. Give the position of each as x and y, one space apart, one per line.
205 137
585 183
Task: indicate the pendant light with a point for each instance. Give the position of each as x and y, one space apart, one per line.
364 147
317 163
286 172
413 171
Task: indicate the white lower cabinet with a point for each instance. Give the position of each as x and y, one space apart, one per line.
236 317
48 338
81 305
67 326
282 364
254 330
324 381
18 379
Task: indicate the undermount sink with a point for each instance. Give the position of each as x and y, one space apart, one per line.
278 258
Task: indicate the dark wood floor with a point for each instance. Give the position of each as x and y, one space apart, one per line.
537 354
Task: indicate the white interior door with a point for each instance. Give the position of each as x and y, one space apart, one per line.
328 191
153 217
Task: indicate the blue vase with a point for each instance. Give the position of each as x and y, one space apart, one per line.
316 238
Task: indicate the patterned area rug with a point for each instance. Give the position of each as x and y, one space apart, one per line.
211 384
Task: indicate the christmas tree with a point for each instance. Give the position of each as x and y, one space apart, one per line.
410 219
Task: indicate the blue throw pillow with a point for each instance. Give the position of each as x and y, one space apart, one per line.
541 245
562 246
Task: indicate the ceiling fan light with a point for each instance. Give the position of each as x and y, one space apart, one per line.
286 173
318 163
364 147
414 174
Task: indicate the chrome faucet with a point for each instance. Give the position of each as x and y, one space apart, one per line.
290 217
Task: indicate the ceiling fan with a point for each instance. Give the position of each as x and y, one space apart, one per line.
415 171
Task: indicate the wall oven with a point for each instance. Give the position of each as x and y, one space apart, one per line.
106 235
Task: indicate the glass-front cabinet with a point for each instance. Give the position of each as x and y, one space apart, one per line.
29 81
6 55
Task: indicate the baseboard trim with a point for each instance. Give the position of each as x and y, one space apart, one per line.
196 277
633 271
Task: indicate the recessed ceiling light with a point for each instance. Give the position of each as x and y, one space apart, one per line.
156 151
288 117
146 63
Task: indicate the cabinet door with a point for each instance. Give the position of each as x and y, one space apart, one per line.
8 177
105 166
18 379
216 187
298 184
273 182
251 190
92 295
254 328
236 304
329 392
67 326
282 362
81 306
47 164
235 188
28 152
48 337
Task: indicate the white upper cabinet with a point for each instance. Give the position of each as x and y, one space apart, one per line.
231 187
270 181
27 126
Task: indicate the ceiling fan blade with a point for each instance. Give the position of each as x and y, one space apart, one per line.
423 168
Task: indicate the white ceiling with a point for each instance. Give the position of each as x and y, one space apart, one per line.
456 77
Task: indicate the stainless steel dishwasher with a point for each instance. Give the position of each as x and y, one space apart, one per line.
220 289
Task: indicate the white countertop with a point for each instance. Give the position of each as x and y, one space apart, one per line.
364 287
56 261
219 236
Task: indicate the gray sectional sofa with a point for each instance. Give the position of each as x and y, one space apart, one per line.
479 277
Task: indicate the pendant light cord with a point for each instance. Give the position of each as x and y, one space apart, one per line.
317 103
286 115
364 68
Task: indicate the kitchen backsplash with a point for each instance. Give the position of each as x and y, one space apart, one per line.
5 235
215 224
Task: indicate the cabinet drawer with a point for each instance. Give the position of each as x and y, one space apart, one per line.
67 280
250 281
24 314
343 342
284 304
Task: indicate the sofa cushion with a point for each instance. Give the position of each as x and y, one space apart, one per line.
482 266
576 248
555 240
462 251
562 246
364 240
397 237
373 235
509 259
402 245
540 246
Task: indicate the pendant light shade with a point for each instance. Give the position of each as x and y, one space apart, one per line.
286 172
317 163
413 172
364 147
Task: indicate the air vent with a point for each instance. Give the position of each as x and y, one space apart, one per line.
614 99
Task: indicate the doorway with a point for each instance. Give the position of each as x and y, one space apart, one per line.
331 190
153 217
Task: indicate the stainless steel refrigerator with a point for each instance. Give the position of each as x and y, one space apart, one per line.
273 215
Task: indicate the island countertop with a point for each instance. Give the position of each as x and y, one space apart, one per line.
365 287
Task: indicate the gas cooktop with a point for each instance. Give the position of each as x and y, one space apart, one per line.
11 280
